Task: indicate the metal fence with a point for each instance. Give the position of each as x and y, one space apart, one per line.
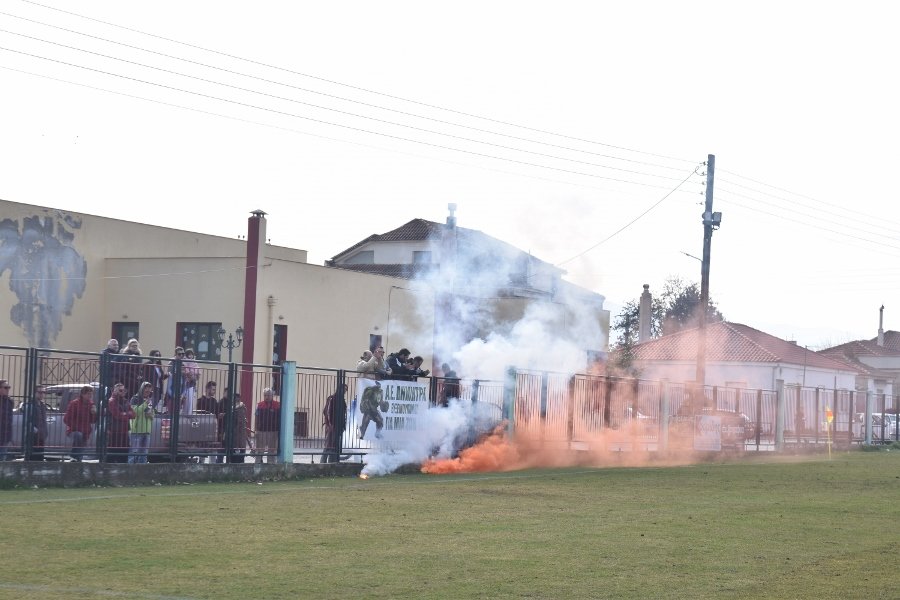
216 417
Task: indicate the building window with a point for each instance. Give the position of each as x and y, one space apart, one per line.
363 257
123 332
201 337
421 257
374 342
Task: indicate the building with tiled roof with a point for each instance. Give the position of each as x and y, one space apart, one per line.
740 356
481 282
879 357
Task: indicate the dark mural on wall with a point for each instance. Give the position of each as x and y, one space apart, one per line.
47 274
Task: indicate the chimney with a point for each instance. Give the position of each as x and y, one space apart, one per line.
881 326
644 315
451 218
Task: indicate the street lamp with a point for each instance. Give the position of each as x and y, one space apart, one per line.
232 341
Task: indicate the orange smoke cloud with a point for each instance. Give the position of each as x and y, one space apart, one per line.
629 446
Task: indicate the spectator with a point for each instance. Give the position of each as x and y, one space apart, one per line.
35 414
372 400
417 367
141 424
6 418
335 421
190 373
375 367
170 392
240 430
363 359
157 376
120 415
209 404
451 385
110 366
80 416
268 425
396 363
132 367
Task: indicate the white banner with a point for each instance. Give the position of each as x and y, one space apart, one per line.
388 410
708 433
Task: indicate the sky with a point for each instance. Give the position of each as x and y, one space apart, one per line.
577 131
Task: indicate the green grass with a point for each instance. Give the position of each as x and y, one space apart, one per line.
764 527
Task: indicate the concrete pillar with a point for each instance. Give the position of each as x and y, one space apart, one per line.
779 414
288 405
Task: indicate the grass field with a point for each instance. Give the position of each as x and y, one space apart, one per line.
764 527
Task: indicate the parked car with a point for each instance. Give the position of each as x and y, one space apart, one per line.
735 428
194 431
884 426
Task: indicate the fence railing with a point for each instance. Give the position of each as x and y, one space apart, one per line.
208 411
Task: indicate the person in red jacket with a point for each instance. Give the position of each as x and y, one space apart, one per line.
81 414
268 424
120 415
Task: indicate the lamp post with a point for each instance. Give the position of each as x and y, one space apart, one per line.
232 341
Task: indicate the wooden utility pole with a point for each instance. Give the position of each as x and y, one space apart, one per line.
711 222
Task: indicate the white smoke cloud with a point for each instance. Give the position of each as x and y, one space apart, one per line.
440 433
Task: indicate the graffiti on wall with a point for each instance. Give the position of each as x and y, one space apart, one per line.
46 273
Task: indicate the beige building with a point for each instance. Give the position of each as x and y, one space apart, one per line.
71 281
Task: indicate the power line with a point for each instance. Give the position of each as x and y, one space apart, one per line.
333 96
333 82
841 216
323 122
342 112
633 221
316 135
738 194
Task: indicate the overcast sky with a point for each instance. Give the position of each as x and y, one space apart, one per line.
553 126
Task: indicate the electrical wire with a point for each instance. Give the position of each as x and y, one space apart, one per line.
320 136
633 221
336 97
354 87
323 122
342 112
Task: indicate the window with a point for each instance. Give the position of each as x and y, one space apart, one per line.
374 342
421 257
123 332
202 337
364 257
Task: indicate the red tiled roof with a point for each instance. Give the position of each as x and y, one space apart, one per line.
734 342
870 347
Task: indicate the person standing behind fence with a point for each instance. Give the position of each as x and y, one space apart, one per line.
372 366
132 367
80 416
110 366
157 376
268 424
120 415
6 417
35 413
335 420
240 430
141 424
190 373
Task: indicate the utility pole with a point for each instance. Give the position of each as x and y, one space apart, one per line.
711 222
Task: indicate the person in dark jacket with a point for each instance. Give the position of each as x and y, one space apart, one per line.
35 413
335 420
396 362
6 417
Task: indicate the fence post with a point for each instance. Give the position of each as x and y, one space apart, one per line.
509 399
288 402
176 410
28 406
545 383
779 414
758 417
664 409
228 420
868 417
570 412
